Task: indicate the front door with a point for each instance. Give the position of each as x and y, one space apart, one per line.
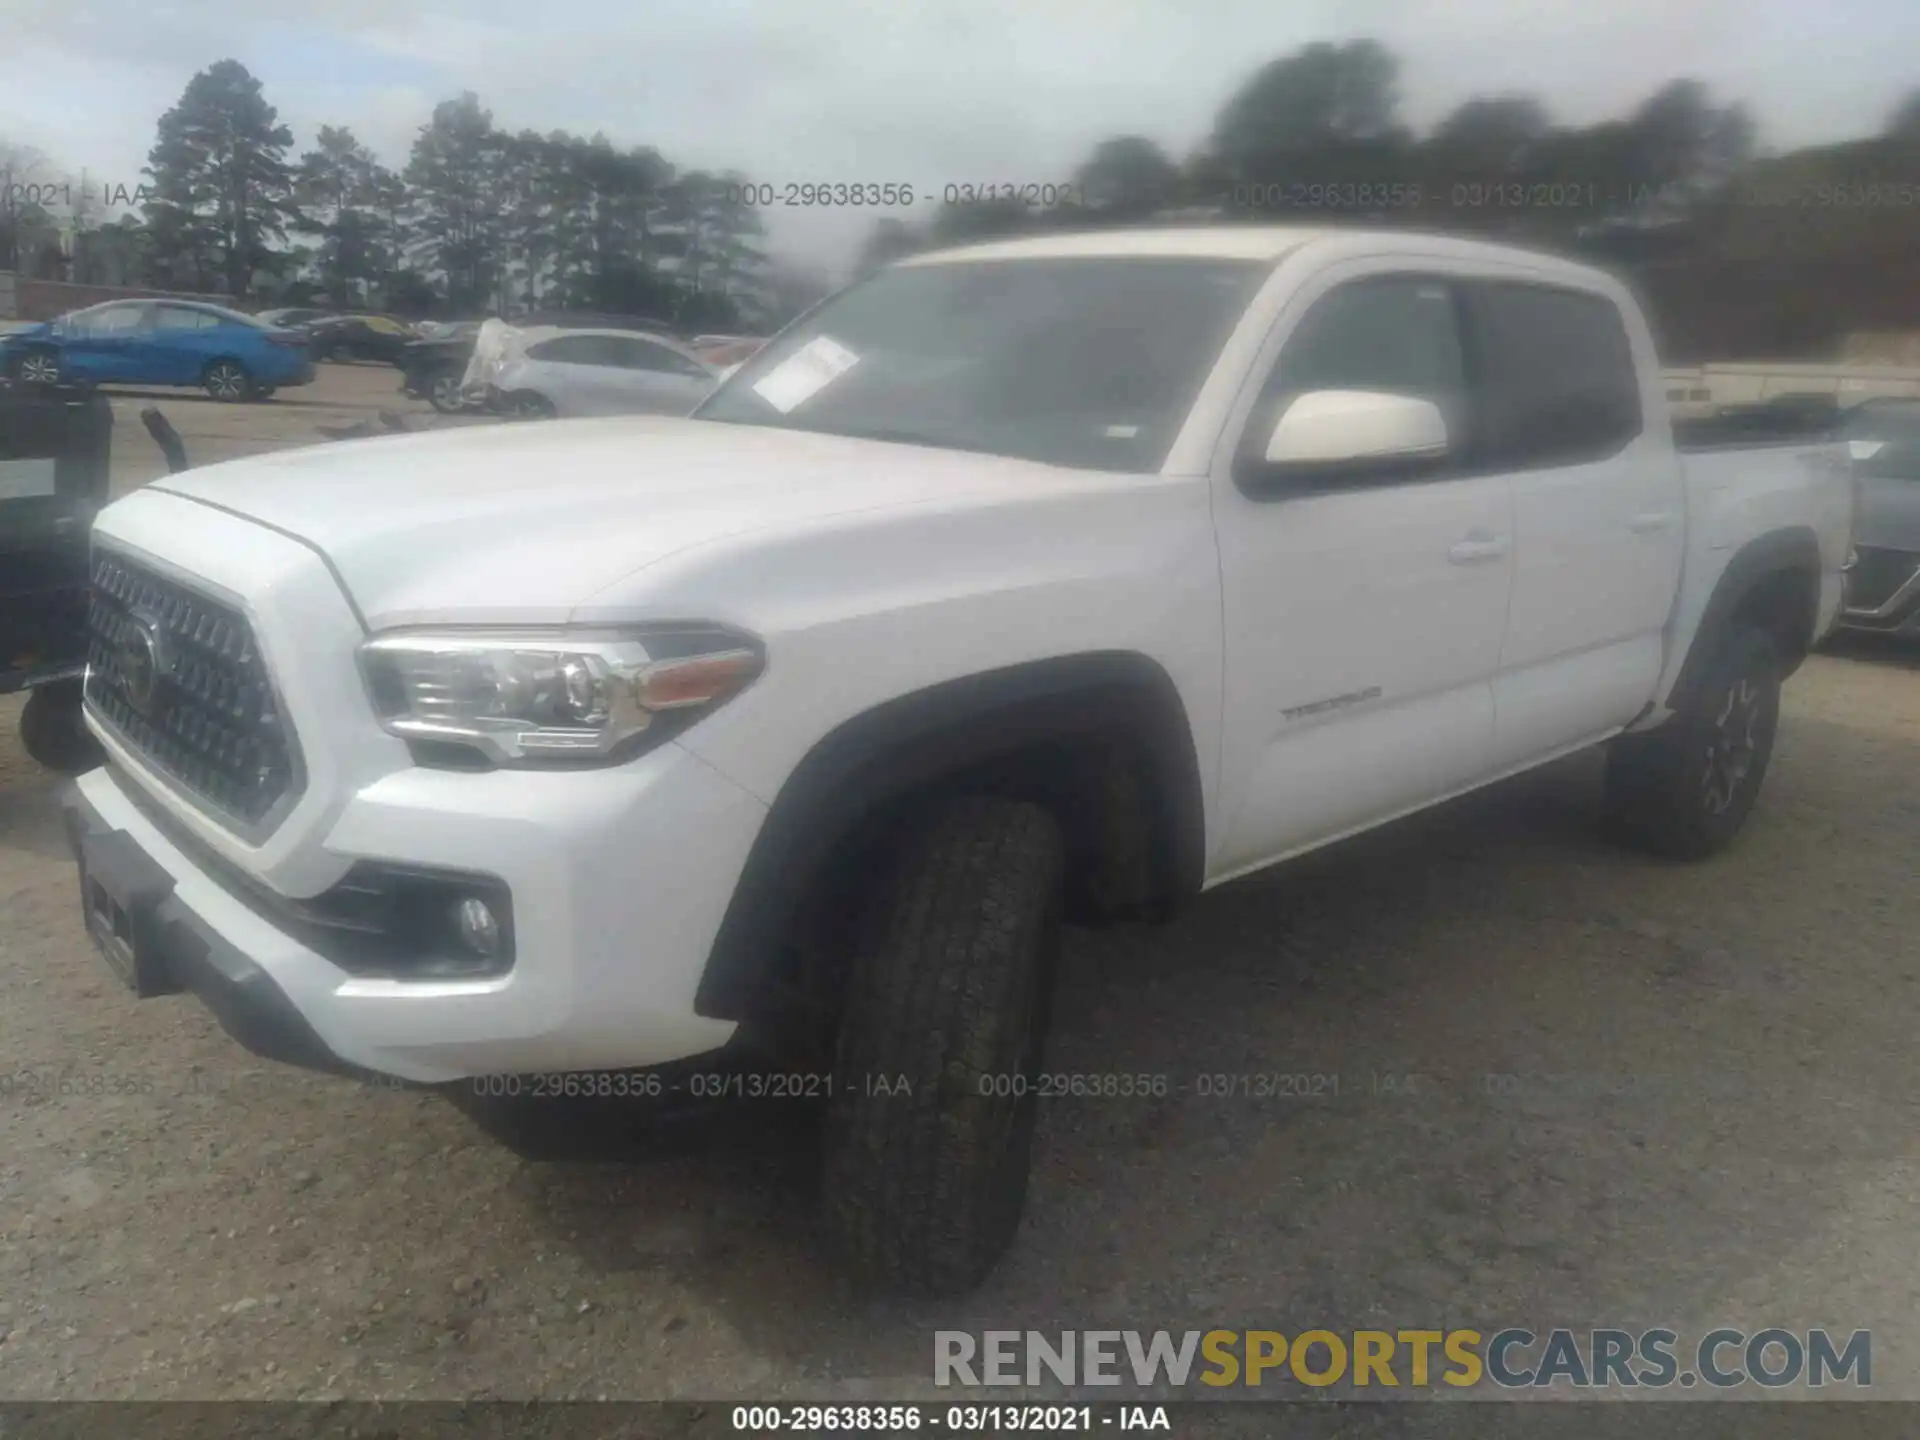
100 344
1363 622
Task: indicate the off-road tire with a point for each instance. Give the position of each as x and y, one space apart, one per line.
1684 791
53 733
928 1135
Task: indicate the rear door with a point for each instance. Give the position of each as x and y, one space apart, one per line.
572 372
1599 510
175 347
1363 619
652 379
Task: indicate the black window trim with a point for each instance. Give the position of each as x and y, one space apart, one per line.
1470 289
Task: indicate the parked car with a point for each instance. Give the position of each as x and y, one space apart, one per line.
433 366
358 337
1061 577
1883 586
289 316
547 372
161 342
55 462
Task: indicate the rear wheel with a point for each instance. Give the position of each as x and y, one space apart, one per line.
930 1126
1685 790
227 381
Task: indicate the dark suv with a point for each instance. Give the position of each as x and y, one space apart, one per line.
1883 587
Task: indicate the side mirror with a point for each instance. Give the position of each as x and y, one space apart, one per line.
1327 436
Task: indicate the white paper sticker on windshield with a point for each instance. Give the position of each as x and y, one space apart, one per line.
811 368
20 479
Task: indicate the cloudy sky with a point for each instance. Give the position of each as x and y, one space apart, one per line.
925 92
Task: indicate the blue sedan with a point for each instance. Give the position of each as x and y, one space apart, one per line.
160 342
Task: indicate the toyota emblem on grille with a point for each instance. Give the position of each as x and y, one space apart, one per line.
140 662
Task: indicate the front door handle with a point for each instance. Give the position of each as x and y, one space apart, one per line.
1478 548
1648 521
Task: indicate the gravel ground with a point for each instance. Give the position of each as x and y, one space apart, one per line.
1708 1118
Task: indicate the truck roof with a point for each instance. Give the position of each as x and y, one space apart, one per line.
1249 242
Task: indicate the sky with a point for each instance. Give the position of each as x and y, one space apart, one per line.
919 92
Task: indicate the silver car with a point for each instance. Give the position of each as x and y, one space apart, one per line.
1883 582
552 372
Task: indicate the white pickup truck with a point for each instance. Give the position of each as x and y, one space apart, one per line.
763 752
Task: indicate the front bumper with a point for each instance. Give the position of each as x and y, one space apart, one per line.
619 880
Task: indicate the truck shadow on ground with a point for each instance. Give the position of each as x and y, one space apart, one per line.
1541 1079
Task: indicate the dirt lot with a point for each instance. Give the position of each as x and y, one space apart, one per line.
1706 1117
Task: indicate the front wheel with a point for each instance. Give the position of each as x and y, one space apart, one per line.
53 732
443 393
227 381
38 367
528 405
935 1092
1685 790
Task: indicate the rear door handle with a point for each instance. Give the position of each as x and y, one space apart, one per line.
1649 521
1477 549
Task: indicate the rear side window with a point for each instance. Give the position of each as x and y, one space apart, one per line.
1558 385
644 355
172 317
572 350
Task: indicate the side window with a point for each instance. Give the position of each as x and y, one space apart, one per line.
570 350
1397 334
112 322
176 317
643 355
1559 387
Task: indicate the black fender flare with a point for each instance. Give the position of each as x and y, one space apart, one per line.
1792 550
911 743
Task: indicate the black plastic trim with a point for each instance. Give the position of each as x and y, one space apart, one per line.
1794 549
184 953
912 742
355 924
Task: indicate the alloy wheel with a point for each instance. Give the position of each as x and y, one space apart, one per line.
227 382
40 369
1731 746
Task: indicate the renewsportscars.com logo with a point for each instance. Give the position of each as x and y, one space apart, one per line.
1510 1359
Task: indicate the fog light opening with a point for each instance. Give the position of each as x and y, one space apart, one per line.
477 927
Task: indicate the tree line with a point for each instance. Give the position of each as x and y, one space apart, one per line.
1676 192
480 218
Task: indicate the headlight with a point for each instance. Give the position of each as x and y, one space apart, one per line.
554 697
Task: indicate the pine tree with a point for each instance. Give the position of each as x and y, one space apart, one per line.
223 191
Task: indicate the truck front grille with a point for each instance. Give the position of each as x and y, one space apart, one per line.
1877 574
179 678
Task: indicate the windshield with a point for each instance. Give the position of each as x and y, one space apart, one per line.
1087 362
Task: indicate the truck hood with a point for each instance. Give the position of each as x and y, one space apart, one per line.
521 524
